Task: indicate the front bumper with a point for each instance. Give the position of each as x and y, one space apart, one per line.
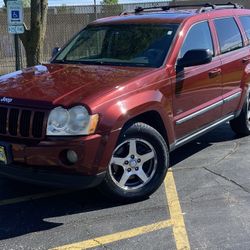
50 178
43 162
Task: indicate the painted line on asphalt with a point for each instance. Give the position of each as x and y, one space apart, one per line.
176 221
32 197
101 241
176 215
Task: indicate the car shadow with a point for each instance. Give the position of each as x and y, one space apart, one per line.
220 134
32 216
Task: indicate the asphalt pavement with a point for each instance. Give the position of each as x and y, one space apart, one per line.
210 210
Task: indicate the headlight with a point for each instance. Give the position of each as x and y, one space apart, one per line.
58 119
74 121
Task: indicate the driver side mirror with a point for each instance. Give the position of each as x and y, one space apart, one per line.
195 57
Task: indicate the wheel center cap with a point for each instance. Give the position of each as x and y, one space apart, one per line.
133 163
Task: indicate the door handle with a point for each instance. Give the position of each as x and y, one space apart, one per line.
214 73
246 59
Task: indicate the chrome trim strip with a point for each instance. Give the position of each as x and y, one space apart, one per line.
213 106
200 112
231 97
202 131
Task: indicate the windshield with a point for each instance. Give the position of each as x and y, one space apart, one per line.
123 45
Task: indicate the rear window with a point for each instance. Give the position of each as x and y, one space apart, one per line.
229 34
245 21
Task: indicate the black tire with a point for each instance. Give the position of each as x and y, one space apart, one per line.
241 124
147 143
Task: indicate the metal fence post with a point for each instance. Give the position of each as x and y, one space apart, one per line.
95 9
17 52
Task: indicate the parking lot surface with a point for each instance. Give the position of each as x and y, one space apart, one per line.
204 203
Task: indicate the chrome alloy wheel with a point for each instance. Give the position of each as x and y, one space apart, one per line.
133 164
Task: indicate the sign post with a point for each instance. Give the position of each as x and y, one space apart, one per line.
15 25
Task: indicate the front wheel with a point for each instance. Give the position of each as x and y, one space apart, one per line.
241 124
138 164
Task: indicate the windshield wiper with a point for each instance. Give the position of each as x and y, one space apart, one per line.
90 62
66 61
59 61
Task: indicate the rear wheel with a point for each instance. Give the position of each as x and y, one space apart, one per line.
138 164
241 124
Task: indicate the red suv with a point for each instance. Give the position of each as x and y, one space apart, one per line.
122 94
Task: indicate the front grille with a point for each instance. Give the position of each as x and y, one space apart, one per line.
18 122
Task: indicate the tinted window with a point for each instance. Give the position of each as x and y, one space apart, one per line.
228 34
245 20
199 37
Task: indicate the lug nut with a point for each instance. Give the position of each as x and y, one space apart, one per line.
132 156
126 162
139 160
136 168
129 169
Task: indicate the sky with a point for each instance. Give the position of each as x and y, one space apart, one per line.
90 2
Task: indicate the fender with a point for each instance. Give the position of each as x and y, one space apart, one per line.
122 111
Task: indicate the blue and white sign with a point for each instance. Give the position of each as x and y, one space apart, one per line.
16 29
15 16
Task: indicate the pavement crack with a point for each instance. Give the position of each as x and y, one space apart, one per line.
98 242
101 245
227 179
231 152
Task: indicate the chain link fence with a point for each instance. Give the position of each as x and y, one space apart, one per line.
63 22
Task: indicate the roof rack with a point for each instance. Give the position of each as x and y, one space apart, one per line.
202 7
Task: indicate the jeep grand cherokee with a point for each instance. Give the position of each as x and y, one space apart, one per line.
122 94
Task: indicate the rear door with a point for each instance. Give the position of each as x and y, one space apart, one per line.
234 56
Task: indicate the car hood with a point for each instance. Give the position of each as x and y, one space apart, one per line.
59 84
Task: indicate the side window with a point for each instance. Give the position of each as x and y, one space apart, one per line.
228 34
245 21
198 37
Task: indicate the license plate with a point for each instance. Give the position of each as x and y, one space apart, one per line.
3 156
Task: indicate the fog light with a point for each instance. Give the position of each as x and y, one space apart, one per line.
72 156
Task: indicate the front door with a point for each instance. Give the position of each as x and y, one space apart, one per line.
197 90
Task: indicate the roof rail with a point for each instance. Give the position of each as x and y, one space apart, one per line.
202 7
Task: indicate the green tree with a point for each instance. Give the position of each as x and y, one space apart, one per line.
109 2
26 3
111 7
33 38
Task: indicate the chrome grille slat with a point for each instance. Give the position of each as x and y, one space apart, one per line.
31 122
7 121
18 122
